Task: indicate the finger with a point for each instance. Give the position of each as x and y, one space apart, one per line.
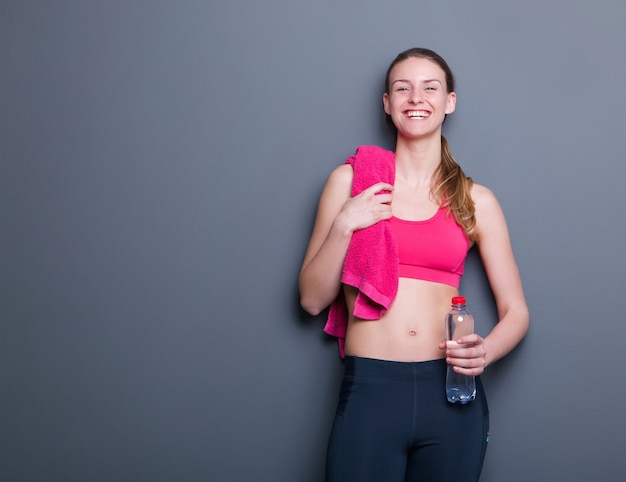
465 354
384 198
458 345
465 363
472 339
379 186
469 371
459 360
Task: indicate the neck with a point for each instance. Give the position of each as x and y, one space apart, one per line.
417 160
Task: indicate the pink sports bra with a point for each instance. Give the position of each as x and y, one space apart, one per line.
432 250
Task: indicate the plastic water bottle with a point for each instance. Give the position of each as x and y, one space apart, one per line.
459 322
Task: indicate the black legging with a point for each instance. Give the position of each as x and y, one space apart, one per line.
394 424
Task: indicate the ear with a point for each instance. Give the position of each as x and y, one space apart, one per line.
451 103
386 103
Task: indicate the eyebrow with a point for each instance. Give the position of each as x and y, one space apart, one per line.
424 81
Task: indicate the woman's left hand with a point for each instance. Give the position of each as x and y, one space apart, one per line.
467 354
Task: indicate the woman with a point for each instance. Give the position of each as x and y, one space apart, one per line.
393 421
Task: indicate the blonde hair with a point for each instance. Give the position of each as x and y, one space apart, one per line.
451 186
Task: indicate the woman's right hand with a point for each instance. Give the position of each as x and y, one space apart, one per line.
366 208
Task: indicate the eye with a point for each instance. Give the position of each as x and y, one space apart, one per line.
431 88
402 89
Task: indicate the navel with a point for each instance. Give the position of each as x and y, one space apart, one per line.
412 333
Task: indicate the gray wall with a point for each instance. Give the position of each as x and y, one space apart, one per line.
160 166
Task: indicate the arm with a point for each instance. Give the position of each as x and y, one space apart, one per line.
338 216
494 246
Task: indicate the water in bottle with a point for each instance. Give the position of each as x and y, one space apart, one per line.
459 322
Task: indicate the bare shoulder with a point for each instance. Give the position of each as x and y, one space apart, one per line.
483 197
489 216
339 184
342 176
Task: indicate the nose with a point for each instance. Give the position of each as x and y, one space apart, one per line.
415 97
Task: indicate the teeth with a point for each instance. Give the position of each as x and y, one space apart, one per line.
420 113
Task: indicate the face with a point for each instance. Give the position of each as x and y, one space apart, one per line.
418 98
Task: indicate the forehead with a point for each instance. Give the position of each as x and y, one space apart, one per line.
417 68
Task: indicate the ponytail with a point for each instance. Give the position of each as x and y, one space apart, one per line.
453 187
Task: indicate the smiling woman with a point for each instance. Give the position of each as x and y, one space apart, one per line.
415 210
417 91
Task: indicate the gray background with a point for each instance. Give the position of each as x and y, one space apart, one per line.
160 167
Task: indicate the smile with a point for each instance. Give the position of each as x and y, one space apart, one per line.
420 114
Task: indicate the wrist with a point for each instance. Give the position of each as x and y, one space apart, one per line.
341 227
488 353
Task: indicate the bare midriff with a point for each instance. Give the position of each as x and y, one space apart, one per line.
412 328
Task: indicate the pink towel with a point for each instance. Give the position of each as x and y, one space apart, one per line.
371 263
